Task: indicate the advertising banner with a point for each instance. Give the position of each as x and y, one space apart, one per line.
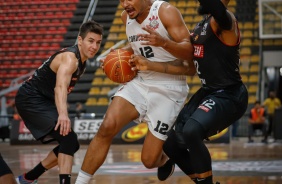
86 129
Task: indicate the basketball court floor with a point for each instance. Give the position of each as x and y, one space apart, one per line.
235 163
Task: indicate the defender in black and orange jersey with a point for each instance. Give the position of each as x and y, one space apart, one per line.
42 101
222 99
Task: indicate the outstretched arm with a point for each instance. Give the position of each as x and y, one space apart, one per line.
223 22
66 64
218 10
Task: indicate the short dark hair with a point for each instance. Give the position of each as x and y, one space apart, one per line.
90 26
257 102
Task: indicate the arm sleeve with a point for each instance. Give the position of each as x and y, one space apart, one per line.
218 11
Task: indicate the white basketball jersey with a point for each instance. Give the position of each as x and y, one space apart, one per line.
152 53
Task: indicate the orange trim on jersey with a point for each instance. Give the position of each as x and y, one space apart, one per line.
204 175
193 176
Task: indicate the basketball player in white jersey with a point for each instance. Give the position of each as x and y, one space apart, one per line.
155 30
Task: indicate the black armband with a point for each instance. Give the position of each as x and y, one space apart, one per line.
217 9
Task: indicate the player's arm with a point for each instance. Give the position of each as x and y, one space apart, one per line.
223 21
176 67
65 64
179 45
124 18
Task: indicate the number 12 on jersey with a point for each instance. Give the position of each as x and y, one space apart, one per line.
162 128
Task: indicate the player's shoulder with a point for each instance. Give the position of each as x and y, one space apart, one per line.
66 56
167 6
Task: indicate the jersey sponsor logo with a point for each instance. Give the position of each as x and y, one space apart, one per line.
133 38
154 22
135 133
199 51
204 108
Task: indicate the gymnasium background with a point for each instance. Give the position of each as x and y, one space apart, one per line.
32 30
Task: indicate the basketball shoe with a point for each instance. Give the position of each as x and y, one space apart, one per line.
166 170
21 180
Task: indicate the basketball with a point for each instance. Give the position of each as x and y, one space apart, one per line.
117 67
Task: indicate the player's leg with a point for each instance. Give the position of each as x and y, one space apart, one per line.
194 134
62 155
47 163
40 116
175 146
164 104
152 152
6 175
119 113
68 146
217 111
177 153
52 158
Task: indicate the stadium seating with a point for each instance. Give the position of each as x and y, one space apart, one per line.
30 31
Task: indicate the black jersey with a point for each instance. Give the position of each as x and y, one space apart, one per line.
44 79
217 64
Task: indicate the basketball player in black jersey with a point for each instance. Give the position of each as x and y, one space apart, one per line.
220 101
42 101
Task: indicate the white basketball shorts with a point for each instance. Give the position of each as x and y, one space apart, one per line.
157 104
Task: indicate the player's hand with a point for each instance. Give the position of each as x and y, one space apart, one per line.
102 64
153 38
65 125
139 62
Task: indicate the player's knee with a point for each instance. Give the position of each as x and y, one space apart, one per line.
69 145
148 161
107 128
193 130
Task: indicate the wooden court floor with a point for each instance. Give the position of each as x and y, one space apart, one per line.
235 163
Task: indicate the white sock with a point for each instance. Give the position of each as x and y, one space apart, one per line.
83 178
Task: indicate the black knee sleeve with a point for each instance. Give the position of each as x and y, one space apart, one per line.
68 144
177 154
193 132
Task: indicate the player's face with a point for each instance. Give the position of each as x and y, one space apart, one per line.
90 45
133 7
